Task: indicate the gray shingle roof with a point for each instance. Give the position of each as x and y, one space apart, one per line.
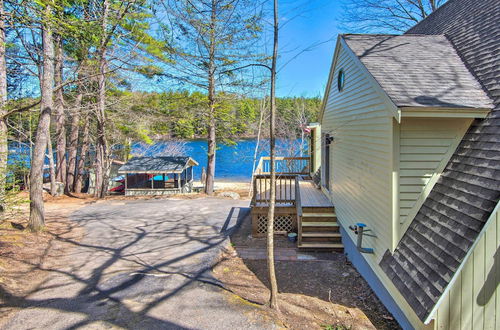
156 165
459 205
419 70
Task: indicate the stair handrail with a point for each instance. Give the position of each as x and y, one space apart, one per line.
298 206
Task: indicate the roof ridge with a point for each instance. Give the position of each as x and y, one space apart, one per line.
392 35
369 34
467 66
430 15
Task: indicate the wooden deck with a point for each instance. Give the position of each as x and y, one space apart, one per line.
301 207
285 195
311 196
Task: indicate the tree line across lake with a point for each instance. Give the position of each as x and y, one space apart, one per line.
149 117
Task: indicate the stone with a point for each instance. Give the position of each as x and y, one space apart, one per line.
59 188
229 194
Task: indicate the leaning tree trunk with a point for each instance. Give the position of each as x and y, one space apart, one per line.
73 144
212 144
273 299
59 112
4 151
37 212
82 157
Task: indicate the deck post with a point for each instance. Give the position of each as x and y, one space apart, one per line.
254 192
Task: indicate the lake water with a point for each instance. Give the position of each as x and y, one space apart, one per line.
234 163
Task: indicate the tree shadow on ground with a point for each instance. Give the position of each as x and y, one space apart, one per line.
148 260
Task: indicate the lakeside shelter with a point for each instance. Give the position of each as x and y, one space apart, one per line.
158 175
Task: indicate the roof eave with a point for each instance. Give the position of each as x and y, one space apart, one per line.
330 78
444 112
192 161
391 106
149 172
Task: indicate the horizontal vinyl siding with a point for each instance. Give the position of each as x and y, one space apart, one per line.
473 301
425 145
361 154
361 120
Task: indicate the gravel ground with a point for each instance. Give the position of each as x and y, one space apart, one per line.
142 265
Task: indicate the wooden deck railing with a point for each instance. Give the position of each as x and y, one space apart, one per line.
284 165
285 189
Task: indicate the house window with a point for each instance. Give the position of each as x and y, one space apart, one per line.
340 80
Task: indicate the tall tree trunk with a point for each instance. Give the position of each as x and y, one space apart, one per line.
59 112
4 150
211 141
73 144
37 212
52 168
273 299
102 158
82 157
212 146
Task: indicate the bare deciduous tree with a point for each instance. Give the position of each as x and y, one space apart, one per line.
273 299
386 16
165 148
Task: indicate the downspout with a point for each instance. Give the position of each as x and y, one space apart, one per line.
396 222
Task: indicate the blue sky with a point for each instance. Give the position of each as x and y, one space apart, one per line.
306 74
303 70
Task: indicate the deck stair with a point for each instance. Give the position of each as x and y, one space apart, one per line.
319 230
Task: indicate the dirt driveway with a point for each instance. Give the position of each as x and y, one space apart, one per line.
142 265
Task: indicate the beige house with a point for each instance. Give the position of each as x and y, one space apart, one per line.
410 150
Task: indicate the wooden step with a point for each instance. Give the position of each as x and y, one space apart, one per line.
319 224
319 215
319 246
316 209
321 234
